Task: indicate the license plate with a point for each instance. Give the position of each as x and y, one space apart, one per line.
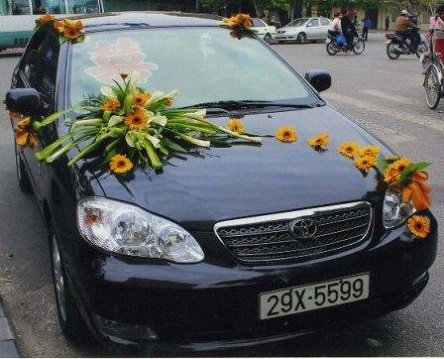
314 296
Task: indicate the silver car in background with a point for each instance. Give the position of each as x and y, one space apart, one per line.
304 29
263 30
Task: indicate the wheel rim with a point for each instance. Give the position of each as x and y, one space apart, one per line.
301 38
267 38
359 47
59 282
432 88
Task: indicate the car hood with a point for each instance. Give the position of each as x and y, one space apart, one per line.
243 180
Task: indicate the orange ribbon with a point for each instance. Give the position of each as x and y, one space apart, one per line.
417 191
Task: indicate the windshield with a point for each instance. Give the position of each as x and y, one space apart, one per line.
203 64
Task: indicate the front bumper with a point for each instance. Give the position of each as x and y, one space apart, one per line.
214 305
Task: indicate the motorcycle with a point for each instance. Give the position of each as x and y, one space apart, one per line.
398 45
335 44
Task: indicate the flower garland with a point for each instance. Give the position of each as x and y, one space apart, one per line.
68 30
24 132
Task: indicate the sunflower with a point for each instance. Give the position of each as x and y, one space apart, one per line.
235 125
348 149
286 134
394 170
365 163
168 102
141 98
120 164
110 104
369 151
45 19
319 141
137 120
419 226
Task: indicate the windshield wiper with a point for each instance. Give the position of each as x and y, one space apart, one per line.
220 106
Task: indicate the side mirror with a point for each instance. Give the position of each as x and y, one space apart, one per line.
319 79
24 100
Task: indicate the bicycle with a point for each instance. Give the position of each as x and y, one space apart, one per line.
333 47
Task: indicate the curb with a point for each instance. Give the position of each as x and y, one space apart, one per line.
8 347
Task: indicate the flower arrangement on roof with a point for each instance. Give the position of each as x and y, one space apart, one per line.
240 25
68 30
131 126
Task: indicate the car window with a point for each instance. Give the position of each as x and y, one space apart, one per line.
39 65
325 22
257 23
313 22
205 65
298 22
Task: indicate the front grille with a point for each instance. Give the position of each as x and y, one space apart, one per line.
270 237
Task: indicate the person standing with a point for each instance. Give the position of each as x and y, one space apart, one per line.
366 25
387 22
348 27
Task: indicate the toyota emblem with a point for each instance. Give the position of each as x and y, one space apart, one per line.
303 228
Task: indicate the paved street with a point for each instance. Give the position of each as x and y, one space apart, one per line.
382 95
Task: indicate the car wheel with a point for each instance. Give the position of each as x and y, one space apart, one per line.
302 38
393 51
71 321
331 48
267 38
22 174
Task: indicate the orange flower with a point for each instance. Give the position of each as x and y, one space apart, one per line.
365 163
137 120
235 125
369 151
120 164
141 98
168 102
393 172
25 121
419 226
45 19
286 134
319 141
58 25
110 104
348 149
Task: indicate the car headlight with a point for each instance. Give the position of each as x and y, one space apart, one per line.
126 229
395 212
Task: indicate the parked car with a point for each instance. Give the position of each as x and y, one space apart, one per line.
227 246
264 31
304 29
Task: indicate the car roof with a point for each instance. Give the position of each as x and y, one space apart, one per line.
145 19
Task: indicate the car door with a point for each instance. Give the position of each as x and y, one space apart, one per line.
313 29
324 28
37 69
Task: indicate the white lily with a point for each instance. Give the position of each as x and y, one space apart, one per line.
115 120
172 94
154 140
160 120
107 91
129 140
199 114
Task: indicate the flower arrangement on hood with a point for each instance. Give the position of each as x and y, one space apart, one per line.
400 175
240 25
68 30
132 126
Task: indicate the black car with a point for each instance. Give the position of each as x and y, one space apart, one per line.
223 246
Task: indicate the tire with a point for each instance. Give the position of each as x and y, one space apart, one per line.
331 48
359 46
70 319
302 38
432 87
267 38
391 51
422 48
22 173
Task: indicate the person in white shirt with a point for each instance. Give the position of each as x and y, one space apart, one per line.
335 26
